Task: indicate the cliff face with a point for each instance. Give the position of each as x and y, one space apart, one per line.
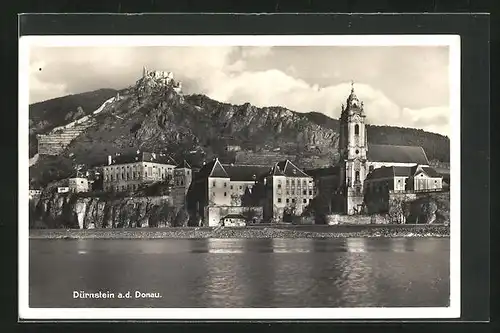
78 212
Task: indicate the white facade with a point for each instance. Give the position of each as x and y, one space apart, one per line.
63 189
129 176
78 184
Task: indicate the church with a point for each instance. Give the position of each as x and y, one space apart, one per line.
366 168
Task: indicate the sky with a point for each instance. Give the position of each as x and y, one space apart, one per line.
404 86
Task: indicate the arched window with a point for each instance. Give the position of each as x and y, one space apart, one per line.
356 129
357 176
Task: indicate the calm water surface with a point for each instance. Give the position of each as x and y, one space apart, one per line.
242 272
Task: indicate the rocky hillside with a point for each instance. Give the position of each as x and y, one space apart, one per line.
46 115
195 127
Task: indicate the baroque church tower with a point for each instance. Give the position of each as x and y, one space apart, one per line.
353 151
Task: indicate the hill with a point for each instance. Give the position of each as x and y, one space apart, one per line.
44 116
197 128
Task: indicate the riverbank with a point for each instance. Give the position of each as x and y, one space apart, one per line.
316 231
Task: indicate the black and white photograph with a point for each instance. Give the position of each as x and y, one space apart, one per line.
249 177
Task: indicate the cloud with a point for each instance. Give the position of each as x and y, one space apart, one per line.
259 75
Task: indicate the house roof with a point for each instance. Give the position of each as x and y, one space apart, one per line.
245 172
398 171
143 157
234 216
397 154
323 172
287 168
431 172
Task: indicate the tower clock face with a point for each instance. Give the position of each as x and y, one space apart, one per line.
356 118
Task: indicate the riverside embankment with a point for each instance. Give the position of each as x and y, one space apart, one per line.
315 231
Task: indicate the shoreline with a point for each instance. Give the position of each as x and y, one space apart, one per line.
253 232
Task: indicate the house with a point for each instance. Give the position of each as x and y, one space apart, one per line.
381 182
182 178
63 189
78 184
129 172
233 220
33 193
285 189
223 185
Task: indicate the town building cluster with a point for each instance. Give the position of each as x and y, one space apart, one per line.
232 194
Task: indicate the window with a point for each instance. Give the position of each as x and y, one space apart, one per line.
293 192
182 182
304 192
370 168
287 182
357 151
241 187
287 200
357 176
356 129
304 200
231 187
304 182
293 181
225 185
213 183
310 192
279 185
293 200
279 199
225 194
145 174
287 192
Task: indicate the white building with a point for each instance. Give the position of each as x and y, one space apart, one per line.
129 172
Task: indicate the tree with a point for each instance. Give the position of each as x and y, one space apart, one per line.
235 199
79 113
250 215
182 218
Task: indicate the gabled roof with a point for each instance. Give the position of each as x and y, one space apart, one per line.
288 169
397 154
213 169
430 172
245 172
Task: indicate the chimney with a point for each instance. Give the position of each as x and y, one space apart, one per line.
110 161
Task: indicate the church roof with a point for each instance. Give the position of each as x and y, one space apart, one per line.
397 154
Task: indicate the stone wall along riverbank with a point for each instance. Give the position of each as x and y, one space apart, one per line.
246 232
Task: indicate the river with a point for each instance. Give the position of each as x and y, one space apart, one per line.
351 272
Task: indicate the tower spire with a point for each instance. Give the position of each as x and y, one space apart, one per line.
352 86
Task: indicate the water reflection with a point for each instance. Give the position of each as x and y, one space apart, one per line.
243 272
